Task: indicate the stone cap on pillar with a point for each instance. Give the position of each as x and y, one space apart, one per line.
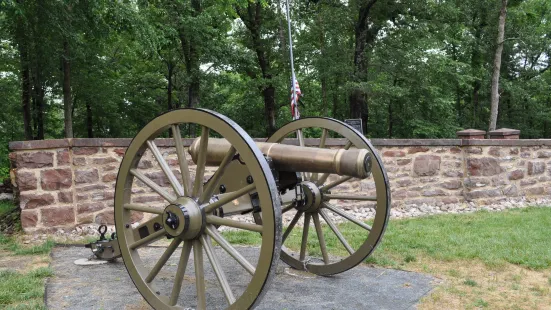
504 133
471 134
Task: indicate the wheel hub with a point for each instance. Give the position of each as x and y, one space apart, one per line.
184 219
311 201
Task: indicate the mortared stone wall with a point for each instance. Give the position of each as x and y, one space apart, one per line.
70 182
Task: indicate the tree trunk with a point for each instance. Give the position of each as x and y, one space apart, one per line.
253 21
25 90
38 111
89 125
169 88
67 104
22 46
497 66
365 34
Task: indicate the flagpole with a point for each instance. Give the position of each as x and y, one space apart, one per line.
293 77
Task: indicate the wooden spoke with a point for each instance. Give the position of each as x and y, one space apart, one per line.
347 145
224 199
178 189
213 182
304 243
220 275
162 261
142 208
147 240
180 272
321 239
334 183
199 275
350 197
214 234
182 161
337 232
291 226
346 216
215 220
201 162
159 190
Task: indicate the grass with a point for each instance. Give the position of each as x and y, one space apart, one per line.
23 290
23 270
521 237
494 260
5 206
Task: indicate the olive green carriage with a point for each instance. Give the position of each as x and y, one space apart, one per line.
251 187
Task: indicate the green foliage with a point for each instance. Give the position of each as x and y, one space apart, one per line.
428 64
23 290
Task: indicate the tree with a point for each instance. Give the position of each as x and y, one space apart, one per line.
497 65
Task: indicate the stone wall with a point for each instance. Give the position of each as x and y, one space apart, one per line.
66 183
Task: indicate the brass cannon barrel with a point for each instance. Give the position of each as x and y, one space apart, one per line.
355 163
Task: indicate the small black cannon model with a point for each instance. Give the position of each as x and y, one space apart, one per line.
252 185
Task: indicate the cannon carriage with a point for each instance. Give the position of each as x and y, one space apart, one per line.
252 186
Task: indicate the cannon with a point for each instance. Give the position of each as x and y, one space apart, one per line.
237 185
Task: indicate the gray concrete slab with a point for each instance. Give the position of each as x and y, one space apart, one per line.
108 286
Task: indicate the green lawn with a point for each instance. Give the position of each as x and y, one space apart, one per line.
519 236
22 289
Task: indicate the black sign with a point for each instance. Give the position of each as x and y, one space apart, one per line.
356 123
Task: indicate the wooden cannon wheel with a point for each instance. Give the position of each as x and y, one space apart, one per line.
372 235
187 218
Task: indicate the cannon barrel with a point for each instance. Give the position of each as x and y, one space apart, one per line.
355 162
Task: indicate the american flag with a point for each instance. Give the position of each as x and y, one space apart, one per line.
294 100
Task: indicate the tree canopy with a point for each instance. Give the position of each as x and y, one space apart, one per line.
409 69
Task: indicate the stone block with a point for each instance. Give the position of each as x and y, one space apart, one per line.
85 150
473 150
26 181
105 218
483 166
426 165
65 197
495 151
120 151
451 184
403 162
33 201
109 177
433 193
89 207
534 191
86 176
418 149
63 158
394 153
79 161
29 218
528 182
55 179
104 160
487 193
516 174
93 187
544 154
35 160
145 164
58 216
535 167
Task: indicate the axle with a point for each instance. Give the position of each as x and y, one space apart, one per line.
355 162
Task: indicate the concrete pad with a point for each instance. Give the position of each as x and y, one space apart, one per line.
108 286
